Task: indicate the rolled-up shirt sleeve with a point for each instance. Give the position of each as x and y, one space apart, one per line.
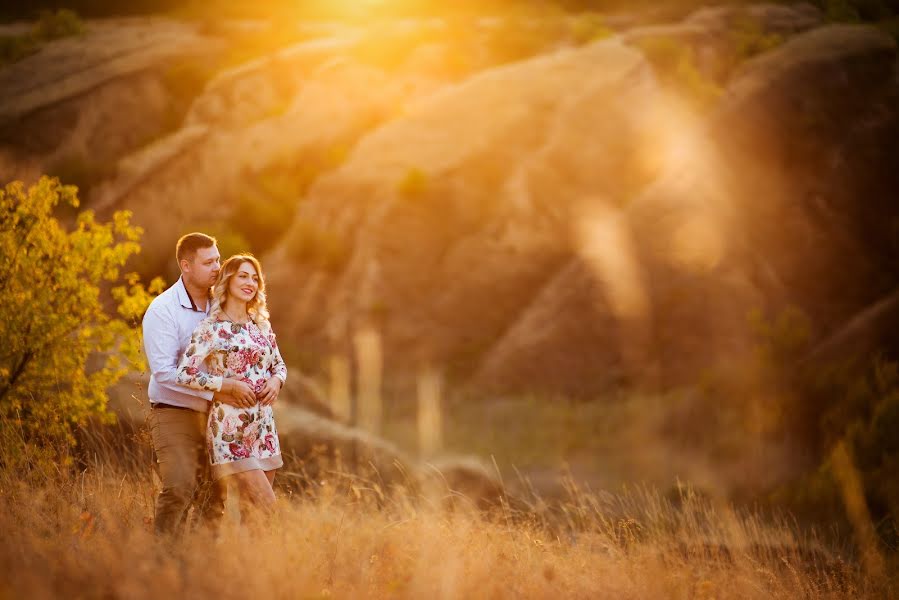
163 352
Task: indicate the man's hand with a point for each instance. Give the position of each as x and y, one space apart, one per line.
269 392
240 391
227 399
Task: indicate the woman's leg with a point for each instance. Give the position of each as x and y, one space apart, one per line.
255 491
270 475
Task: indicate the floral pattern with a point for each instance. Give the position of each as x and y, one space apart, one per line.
218 349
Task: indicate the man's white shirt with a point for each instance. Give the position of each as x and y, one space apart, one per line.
167 327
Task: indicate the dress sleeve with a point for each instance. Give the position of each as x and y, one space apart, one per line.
279 369
202 343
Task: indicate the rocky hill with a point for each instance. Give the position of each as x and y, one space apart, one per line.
606 210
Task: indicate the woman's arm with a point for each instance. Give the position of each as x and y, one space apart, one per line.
190 373
279 369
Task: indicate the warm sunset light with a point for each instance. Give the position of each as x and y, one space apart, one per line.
606 245
469 299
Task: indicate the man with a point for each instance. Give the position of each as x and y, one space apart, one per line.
177 413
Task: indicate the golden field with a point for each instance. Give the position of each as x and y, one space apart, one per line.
90 536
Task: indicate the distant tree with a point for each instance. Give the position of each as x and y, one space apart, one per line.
60 349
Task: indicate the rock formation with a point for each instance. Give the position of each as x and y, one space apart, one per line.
80 103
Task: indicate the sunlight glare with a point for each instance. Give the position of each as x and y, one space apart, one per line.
606 244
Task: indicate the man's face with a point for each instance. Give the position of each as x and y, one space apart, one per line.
203 269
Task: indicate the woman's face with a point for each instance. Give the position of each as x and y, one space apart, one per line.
244 283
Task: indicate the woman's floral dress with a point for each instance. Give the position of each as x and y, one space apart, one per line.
237 439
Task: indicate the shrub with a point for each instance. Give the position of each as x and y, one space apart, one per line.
782 339
50 26
675 63
589 27
55 25
184 80
268 198
853 401
749 40
311 245
890 27
16 47
514 39
60 350
842 11
863 412
81 171
413 184
228 240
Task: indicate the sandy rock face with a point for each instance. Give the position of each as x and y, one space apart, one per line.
785 206
774 18
811 132
780 199
572 241
195 176
254 90
77 99
459 212
567 336
560 224
717 38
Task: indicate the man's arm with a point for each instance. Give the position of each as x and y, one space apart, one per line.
161 348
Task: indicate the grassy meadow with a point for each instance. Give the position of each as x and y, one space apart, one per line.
89 535
85 530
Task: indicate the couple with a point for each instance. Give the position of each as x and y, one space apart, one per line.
215 372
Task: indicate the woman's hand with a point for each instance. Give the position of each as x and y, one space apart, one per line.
269 392
240 391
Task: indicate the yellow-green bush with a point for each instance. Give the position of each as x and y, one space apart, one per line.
52 320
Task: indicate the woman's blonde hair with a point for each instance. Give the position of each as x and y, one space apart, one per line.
257 309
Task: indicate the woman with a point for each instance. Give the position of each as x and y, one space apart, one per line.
237 347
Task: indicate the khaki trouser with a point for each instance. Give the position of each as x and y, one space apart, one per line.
179 442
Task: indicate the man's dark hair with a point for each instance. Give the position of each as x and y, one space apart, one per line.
188 245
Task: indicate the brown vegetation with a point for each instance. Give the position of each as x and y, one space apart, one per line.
89 535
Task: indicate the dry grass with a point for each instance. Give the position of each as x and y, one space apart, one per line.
89 535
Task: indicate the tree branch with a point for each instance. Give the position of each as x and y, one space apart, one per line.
14 377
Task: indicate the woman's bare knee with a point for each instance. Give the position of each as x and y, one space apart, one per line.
255 487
